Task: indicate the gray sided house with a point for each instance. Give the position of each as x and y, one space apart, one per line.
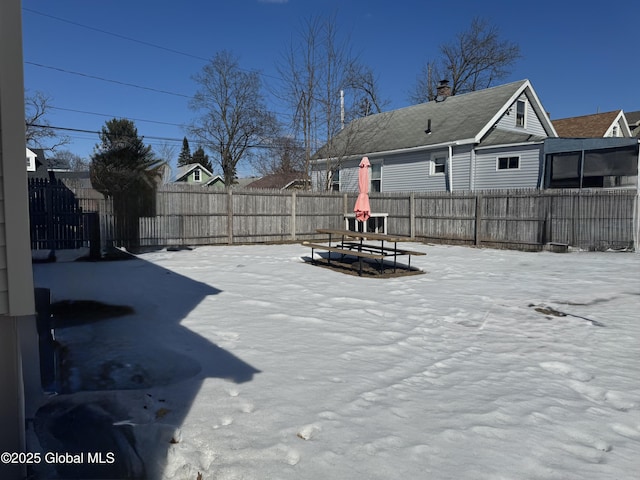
492 138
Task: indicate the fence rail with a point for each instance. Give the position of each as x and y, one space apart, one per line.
593 219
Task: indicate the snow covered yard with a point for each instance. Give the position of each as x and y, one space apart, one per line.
492 365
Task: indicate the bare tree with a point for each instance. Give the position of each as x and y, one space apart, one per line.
233 116
474 60
166 151
282 155
38 131
317 67
367 99
76 162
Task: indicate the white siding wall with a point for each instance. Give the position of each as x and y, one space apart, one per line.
532 122
487 175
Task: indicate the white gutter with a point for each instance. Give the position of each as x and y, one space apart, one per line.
521 144
409 150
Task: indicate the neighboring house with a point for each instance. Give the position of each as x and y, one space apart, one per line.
597 125
633 119
31 160
217 183
490 138
162 170
281 181
193 173
53 168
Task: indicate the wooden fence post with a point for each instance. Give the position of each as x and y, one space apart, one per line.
412 215
478 221
293 215
230 216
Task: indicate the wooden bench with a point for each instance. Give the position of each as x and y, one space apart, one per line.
379 257
344 251
358 248
379 248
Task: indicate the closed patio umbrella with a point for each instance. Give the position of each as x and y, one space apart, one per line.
362 208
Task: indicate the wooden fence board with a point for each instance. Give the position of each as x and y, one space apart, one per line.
193 215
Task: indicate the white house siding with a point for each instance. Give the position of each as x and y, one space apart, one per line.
487 175
410 172
533 125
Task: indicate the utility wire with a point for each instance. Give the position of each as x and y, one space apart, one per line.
118 116
141 42
117 35
107 80
169 139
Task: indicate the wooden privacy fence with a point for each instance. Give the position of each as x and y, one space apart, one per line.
525 219
593 219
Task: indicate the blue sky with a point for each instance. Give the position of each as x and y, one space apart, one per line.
581 57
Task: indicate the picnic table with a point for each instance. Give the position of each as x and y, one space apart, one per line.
359 245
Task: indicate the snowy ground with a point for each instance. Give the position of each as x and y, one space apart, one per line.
262 366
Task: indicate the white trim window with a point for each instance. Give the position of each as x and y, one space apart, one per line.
521 113
376 177
438 165
508 163
335 181
197 175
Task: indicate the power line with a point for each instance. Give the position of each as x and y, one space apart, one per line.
168 139
118 116
135 40
81 130
71 72
117 35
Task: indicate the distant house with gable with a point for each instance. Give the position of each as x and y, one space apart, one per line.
598 125
491 138
195 173
633 118
497 138
281 181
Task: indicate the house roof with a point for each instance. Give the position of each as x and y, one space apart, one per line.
465 118
633 119
183 171
280 181
49 168
587 126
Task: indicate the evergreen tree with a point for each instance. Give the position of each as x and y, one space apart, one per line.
185 154
121 160
121 169
202 158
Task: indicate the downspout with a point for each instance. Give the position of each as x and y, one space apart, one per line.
472 169
636 210
581 166
450 169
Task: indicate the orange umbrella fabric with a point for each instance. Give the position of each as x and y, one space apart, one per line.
362 208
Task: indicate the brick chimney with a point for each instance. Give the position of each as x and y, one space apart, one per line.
443 91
